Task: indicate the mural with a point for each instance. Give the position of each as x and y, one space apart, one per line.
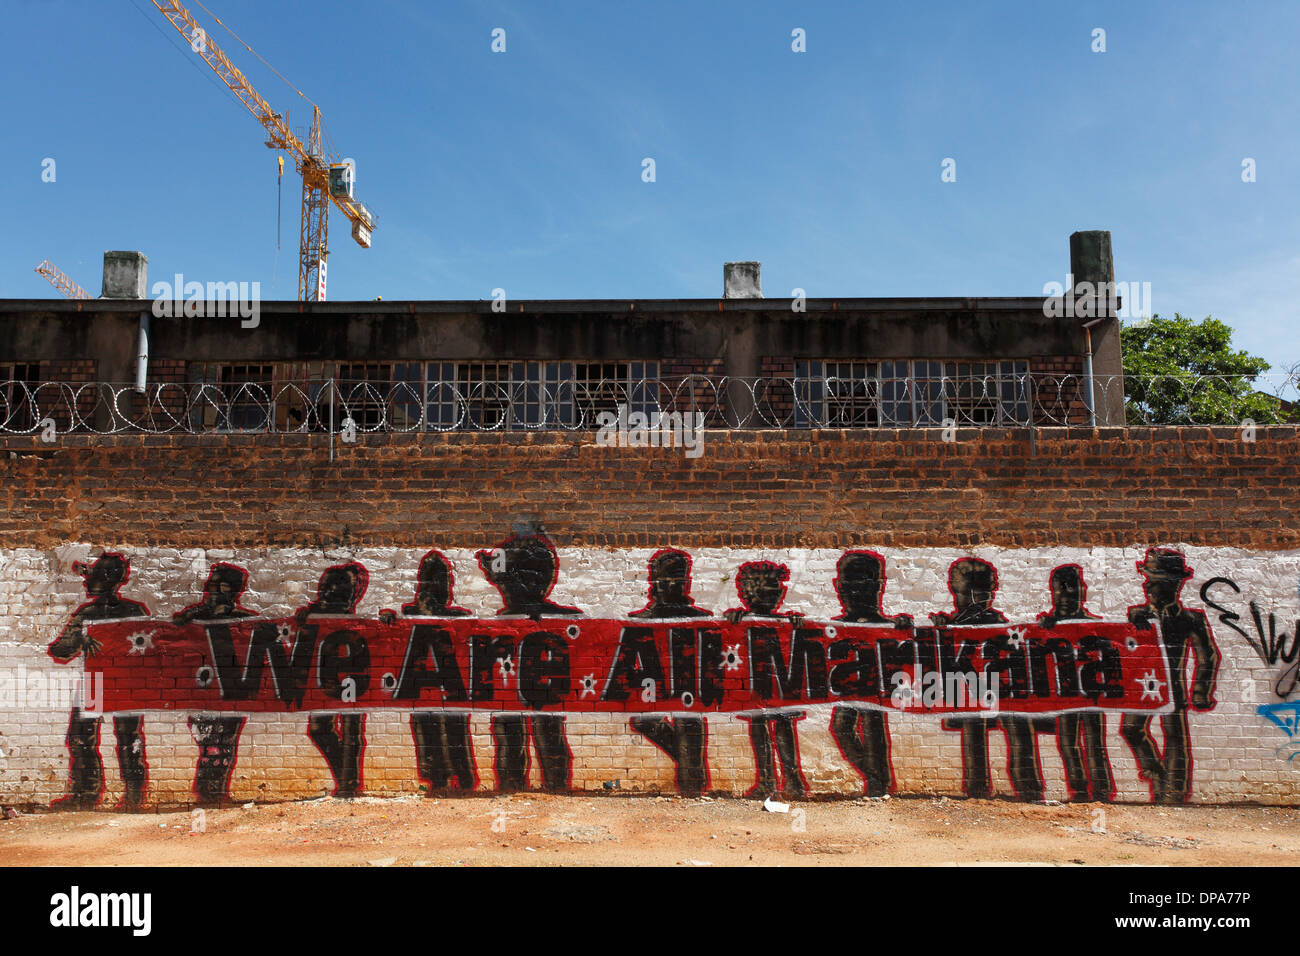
668 667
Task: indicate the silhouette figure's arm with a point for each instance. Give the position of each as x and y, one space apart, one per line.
1141 618
1207 664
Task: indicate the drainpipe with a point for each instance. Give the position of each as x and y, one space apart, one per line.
1087 370
142 354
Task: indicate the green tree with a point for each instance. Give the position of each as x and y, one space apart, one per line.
1180 372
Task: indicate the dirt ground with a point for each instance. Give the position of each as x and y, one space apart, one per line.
544 830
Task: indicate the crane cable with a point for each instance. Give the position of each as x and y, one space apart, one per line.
256 54
327 140
171 41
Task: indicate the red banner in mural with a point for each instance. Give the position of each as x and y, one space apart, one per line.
576 664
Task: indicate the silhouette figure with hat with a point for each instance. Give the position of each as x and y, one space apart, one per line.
1183 633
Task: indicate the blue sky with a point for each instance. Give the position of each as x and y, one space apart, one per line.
522 170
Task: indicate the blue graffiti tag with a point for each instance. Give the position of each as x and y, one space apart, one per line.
1286 716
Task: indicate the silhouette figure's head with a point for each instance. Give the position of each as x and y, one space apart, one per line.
433 584
523 568
1068 591
761 586
108 573
973 583
341 588
225 583
859 582
670 577
1163 573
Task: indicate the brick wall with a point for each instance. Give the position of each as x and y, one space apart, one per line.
1059 389
1025 502
885 488
81 393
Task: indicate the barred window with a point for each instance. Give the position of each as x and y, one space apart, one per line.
910 393
231 397
302 397
362 392
404 396
18 383
534 394
601 387
484 389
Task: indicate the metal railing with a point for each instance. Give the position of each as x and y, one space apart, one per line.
333 405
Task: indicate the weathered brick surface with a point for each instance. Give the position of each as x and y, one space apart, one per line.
1011 488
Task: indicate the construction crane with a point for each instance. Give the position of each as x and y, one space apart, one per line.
323 182
61 281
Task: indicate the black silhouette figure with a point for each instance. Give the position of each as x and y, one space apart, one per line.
524 568
1087 766
863 735
761 586
1164 572
339 737
102 580
973 584
670 587
682 737
217 735
444 755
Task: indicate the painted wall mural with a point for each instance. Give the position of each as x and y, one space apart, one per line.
741 689
484 690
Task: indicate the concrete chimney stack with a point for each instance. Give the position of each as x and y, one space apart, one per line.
742 280
1091 259
126 275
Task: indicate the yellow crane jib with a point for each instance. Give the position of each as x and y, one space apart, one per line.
61 281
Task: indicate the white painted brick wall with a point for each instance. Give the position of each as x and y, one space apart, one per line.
1238 755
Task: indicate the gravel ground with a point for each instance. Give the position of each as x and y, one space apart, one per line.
546 830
